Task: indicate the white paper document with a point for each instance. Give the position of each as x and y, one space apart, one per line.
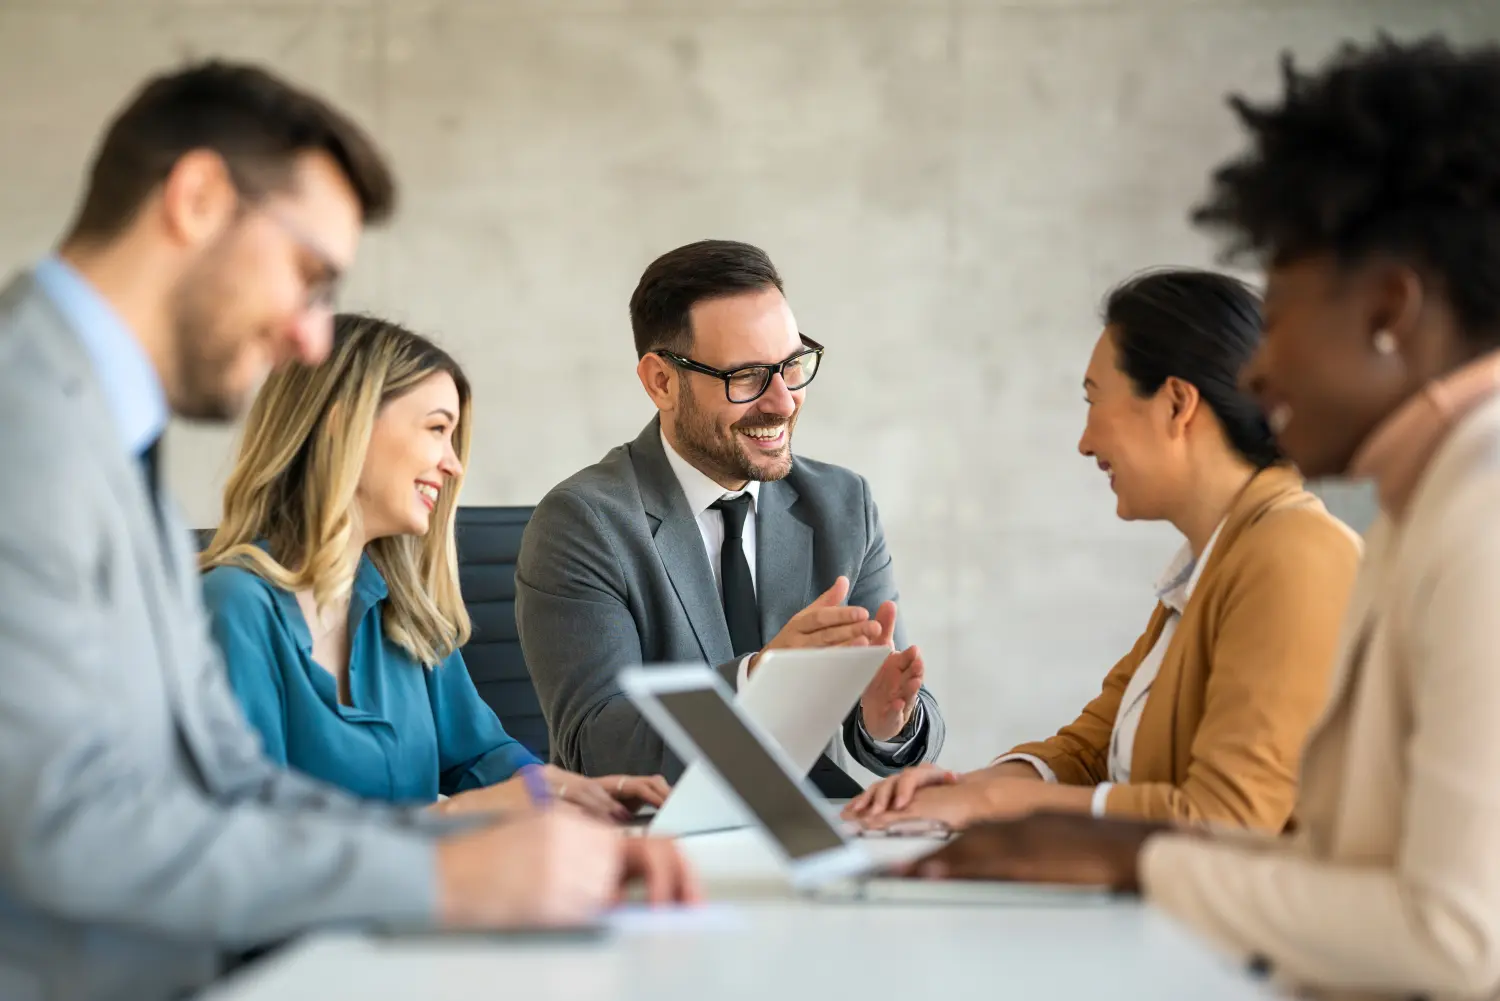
800 698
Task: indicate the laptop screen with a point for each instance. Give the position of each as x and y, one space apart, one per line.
775 798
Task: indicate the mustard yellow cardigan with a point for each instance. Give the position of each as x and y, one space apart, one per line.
1243 679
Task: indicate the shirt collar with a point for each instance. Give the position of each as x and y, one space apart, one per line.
1399 449
1176 584
368 590
701 491
369 584
132 389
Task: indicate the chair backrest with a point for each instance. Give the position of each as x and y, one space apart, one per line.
489 540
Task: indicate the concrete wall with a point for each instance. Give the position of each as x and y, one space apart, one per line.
948 186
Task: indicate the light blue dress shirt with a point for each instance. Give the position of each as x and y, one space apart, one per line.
410 734
132 389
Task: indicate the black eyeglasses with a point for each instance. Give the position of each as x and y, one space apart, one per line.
323 287
748 384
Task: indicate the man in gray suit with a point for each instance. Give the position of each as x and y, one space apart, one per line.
705 539
144 838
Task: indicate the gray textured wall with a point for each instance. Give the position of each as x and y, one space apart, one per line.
948 186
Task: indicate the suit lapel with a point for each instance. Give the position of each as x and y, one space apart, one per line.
783 557
679 543
153 555
81 384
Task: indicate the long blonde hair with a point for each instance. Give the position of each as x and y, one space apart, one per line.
298 468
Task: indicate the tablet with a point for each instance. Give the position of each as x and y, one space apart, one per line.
800 699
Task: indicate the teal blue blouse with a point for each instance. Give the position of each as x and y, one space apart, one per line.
410 734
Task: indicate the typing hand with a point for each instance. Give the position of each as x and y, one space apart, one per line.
613 797
610 797
634 791
895 792
955 806
826 622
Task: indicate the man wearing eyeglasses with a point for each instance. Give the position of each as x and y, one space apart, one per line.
146 840
706 539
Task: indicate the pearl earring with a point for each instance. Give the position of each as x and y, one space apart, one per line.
1384 343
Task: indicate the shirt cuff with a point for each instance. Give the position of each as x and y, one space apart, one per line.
1043 769
1100 803
742 673
903 741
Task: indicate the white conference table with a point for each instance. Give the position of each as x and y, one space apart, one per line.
758 942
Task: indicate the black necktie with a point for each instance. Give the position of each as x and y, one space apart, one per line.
150 461
742 614
740 609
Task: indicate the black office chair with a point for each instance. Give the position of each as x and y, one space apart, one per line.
489 541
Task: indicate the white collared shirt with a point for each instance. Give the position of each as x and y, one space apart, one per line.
702 493
1173 589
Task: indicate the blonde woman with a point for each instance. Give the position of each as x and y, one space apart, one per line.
333 589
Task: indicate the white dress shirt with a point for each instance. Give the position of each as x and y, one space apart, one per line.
1173 589
702 493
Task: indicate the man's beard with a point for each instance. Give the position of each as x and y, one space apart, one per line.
721 457
207 344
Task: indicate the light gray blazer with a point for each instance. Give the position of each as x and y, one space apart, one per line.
612 573
143 836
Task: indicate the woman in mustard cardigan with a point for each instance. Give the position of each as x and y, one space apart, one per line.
1204 719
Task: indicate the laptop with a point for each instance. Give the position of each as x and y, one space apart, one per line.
798 697
694 711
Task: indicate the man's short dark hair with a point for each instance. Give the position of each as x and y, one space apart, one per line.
257 122
661 306
1389 149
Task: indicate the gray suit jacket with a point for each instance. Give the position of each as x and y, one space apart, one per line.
612 572
143 836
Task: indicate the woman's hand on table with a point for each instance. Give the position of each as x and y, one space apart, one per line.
611 797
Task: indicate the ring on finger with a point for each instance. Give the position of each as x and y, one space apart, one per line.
620 786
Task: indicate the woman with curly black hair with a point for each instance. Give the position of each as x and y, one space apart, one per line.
1371 193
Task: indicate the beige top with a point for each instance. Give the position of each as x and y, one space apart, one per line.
1391 886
